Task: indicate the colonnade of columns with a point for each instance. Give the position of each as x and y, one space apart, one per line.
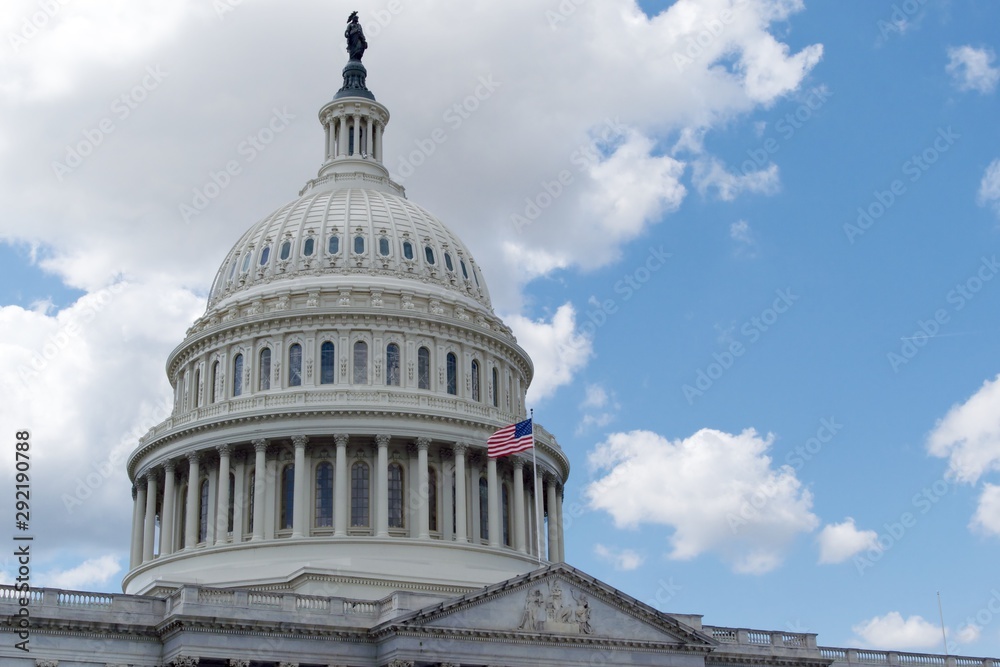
344 136
250 506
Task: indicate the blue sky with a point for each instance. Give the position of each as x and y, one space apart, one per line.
717 233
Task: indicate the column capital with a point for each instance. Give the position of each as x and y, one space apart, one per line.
300 440
224 450
152 475
382 440
341 439
140 483
259 445
423 444
194 457
135 492
169 466
461 448
517 461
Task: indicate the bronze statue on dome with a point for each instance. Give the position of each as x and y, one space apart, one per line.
356 43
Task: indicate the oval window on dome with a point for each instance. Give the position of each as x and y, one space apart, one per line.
359 245
465 274
476 276
246 263
309 247
334 246
447 262
383 247
429 254
286 250
407 250
265 255
232 269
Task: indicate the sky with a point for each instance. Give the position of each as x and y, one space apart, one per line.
751 246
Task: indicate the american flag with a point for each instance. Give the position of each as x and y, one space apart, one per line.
511 439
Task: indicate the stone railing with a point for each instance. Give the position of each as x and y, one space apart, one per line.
757 641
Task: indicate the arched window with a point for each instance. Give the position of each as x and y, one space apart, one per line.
395 495
287 497
238 375
203 511
452 374
295 365
231 510
432 499
496 388
505 508
324 495
250 499
361 362
465 273
359 245
309 247
246 262
475 380
326 363
484 509
286 250
429 254
392 364
214 393
360 500
407 250
334 245
265 368
424 368
197 388
447 262
383 246
265 255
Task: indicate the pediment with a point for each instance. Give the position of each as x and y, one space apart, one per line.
557 602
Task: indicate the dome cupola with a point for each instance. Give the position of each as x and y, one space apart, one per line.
332 405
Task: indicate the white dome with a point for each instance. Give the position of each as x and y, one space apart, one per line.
348 232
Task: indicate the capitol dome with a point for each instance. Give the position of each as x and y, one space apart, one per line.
332 405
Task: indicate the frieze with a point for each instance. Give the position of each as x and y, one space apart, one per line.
548 611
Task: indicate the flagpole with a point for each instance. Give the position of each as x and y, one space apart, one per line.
538 494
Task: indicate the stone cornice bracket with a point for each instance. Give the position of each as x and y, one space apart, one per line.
259 445
184 661
46 663
423 444
238 662
299 440
382 440
341 439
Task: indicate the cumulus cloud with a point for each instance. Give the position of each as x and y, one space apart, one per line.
893 631
88 575
599 408
710 175
839 541
971 69
718 492
987 516
743 237
989 187
968 634
555 346
620 559
969 435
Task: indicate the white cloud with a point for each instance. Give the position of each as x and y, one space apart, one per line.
971 69
987 516
620 559
969 634
742 235
557 349
893 631
599 408
969 435
989 187
88 575
711 174
717 491
840 541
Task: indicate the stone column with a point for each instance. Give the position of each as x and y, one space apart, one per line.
423 525
167 514
519 533
550 490
340 487
341 136
259 489
299 495
560 539
461 530
191 518
446 469
357 136
149 529
138 514
222 509
239 496
379 130
382 487
371 140
211 512
493 502
539 510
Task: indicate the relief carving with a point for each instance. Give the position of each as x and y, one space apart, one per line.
550 613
